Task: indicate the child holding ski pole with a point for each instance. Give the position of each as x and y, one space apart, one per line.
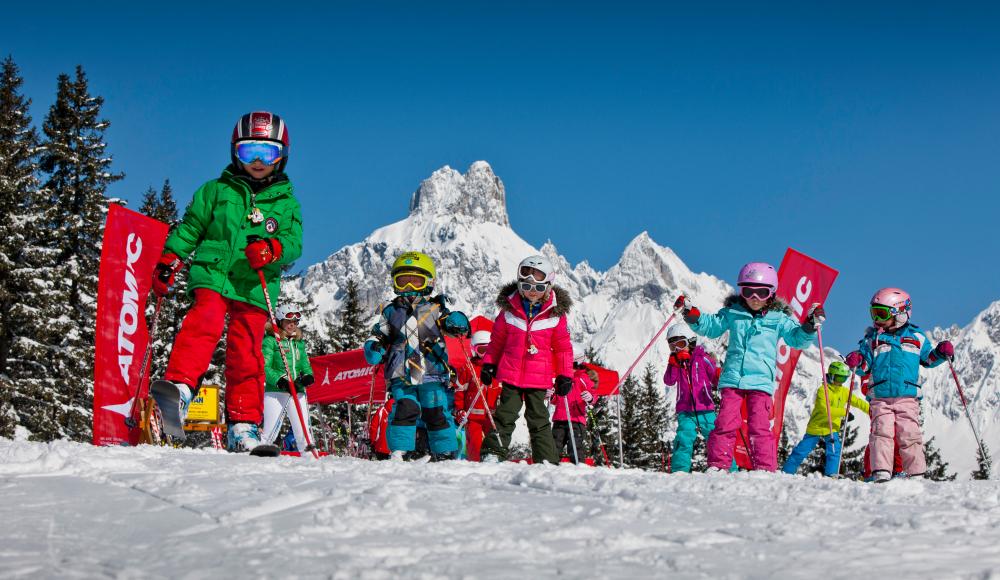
530 345
277 384
892 351
832 396
755 319
473 407
579 399
252 199
409 339
695 374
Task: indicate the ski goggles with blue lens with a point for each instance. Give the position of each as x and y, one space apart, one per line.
267 152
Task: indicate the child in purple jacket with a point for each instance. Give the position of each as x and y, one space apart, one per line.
695 373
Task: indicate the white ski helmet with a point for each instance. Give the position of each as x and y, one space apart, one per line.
680 330
288 312
480 337
540 263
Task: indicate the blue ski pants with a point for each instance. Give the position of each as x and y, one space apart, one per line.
808 443
429 404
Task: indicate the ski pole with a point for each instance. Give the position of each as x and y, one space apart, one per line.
822 370
481 392
843 430
966 406
597 433
284 360
572 434
130 420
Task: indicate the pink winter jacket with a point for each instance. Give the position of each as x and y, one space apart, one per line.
514 335
577 406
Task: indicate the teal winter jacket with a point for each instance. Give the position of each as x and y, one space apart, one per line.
894 360
751 359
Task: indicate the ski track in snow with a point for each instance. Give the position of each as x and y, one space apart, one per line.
75 511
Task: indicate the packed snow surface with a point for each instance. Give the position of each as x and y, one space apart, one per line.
72 510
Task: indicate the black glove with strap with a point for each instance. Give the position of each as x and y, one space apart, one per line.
564 385
486 375
304 381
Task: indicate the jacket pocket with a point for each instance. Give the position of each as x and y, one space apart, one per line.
211 252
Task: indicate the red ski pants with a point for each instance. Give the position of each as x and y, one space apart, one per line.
196 341
476 430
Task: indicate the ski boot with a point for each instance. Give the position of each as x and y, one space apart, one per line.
448 456
397 456
881 476
489 458
172 399
242 437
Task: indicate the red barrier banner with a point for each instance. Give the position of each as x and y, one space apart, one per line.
802 282
345 377
131 248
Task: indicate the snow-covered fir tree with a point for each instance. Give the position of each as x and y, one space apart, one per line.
655 419
852 459
631 423
19 150
984 464
78 172
353 326
937 468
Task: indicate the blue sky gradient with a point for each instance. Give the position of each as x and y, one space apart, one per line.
866 137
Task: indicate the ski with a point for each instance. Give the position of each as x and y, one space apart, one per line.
266 450
168 401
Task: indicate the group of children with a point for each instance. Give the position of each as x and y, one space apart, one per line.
244 226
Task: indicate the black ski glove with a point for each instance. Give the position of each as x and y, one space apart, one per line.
284 385
486 375
304 381
564 385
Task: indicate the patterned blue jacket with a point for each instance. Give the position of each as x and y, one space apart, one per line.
894 359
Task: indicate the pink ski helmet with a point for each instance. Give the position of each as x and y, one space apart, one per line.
893 298
758 274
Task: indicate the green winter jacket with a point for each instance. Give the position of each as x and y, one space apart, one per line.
274 368
215 228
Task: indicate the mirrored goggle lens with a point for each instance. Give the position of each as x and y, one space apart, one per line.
529 273
267 152
882 313
479 350
677 343
836 379
410 280
758 292
528 287
292 316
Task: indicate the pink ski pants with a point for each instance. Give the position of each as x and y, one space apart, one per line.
722 440
897 418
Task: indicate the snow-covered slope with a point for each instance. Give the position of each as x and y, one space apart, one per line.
462 222
74 510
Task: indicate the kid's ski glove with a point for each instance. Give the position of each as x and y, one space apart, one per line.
304 381
690 312
374 352
814 319
564 385
283 384
262 251
945 350
165 272
587 397
854 360
683 356
486 375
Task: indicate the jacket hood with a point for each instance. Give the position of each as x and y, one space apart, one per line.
563 301
777 304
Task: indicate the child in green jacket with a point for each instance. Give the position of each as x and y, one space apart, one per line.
278 385
246 221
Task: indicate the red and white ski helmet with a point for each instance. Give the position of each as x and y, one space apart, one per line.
261 126
540 263
480 337
758 274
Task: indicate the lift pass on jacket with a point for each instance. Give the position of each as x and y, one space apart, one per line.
256 216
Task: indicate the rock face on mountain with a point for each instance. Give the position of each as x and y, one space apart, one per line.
461 221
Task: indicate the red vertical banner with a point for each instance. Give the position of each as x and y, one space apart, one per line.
131 248
802 282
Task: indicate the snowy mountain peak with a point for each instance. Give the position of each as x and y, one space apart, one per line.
478 196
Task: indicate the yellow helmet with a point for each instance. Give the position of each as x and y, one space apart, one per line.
413 263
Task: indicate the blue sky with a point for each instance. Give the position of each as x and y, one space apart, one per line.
868 138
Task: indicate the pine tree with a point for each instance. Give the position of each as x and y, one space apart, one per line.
353 328
19 232
631 422
784 447
937 468
655 419
72 212
984 463
852 461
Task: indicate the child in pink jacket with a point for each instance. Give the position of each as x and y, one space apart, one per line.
581 396
530 345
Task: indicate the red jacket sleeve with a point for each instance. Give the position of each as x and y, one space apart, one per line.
498 339
562 347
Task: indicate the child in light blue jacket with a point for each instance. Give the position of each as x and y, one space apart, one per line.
755 319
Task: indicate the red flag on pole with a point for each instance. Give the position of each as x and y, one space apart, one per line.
802 281
131 248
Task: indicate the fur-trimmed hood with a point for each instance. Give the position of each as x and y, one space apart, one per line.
776 305
563 301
